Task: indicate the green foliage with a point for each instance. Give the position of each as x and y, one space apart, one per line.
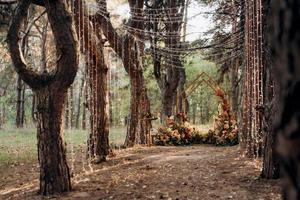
203 103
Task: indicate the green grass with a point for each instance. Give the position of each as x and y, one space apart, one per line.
20 145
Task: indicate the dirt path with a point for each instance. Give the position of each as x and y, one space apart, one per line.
196 172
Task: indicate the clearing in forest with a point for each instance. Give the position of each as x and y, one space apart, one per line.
191 172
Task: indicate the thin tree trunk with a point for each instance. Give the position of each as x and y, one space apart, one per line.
183 104
1 117
3 114
84 106
67 111
19 110
23 105
194 106
79 103
72 107
33 109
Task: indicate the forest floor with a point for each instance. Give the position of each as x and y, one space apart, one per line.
193 172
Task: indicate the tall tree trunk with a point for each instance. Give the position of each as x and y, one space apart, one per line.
168 80
270 168
140 122
183 103
286 54
145 124
234 87
91 43
102 147
54 170
253 81
130 51
235 61
51 91
98 140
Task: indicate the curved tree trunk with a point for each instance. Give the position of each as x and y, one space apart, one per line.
51 91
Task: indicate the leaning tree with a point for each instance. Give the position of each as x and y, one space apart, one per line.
130 48
50 89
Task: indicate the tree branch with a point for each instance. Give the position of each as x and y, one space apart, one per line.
32 78
66 43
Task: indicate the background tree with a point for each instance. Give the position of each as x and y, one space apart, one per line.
92 45
130 49
164 23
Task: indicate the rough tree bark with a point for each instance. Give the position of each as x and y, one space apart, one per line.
253 92
91 43
51 91
235 62
286 53
270 169
173 75
130 51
